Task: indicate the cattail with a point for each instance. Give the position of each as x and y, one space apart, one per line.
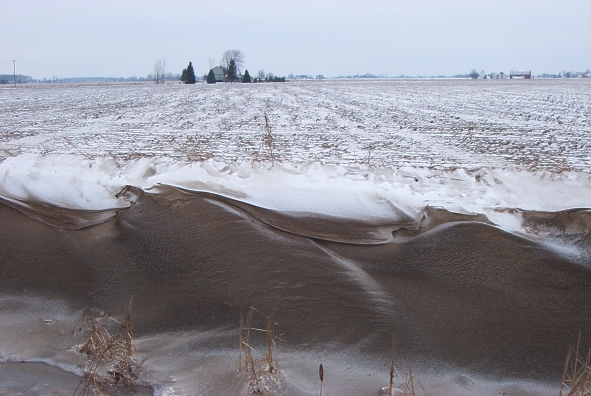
391 380
321 375
392 364
241 339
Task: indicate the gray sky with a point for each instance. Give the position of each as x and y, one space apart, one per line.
121 38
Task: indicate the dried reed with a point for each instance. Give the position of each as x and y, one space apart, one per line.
265 151
408 386
576 377
264 371
111 357
392 369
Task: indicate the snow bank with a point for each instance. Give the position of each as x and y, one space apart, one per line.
64 181
347 192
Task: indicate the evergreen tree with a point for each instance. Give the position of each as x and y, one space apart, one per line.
190 75
246 78
232 72
211 77
184 76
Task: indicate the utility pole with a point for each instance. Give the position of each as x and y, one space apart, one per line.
14 71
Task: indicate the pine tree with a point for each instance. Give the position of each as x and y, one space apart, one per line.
190 75
211 77
232 72
184 76
246 78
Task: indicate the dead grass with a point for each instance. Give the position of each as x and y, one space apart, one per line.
408 381
265 152
264 378
576 377
111 361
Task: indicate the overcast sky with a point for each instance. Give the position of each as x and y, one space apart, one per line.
121 38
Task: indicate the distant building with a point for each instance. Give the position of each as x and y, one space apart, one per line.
220 73
524 74
497 76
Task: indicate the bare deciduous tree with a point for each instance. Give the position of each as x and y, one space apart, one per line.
157 67
474 74
261 75
160 71
237 56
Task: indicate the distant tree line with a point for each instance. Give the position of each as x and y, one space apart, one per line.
269 77
20 79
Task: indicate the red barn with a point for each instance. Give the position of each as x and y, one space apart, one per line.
525 74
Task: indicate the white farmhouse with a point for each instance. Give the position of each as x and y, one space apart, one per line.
220 73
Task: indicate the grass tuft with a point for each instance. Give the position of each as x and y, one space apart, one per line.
407 388
264 371
576 377
111 361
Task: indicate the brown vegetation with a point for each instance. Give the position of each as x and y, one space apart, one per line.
265 151
576 378
408 385
111 361
263 372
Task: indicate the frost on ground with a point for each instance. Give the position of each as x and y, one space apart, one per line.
540 125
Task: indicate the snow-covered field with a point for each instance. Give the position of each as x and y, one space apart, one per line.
540 125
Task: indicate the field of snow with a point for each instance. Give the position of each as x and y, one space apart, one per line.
540 125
